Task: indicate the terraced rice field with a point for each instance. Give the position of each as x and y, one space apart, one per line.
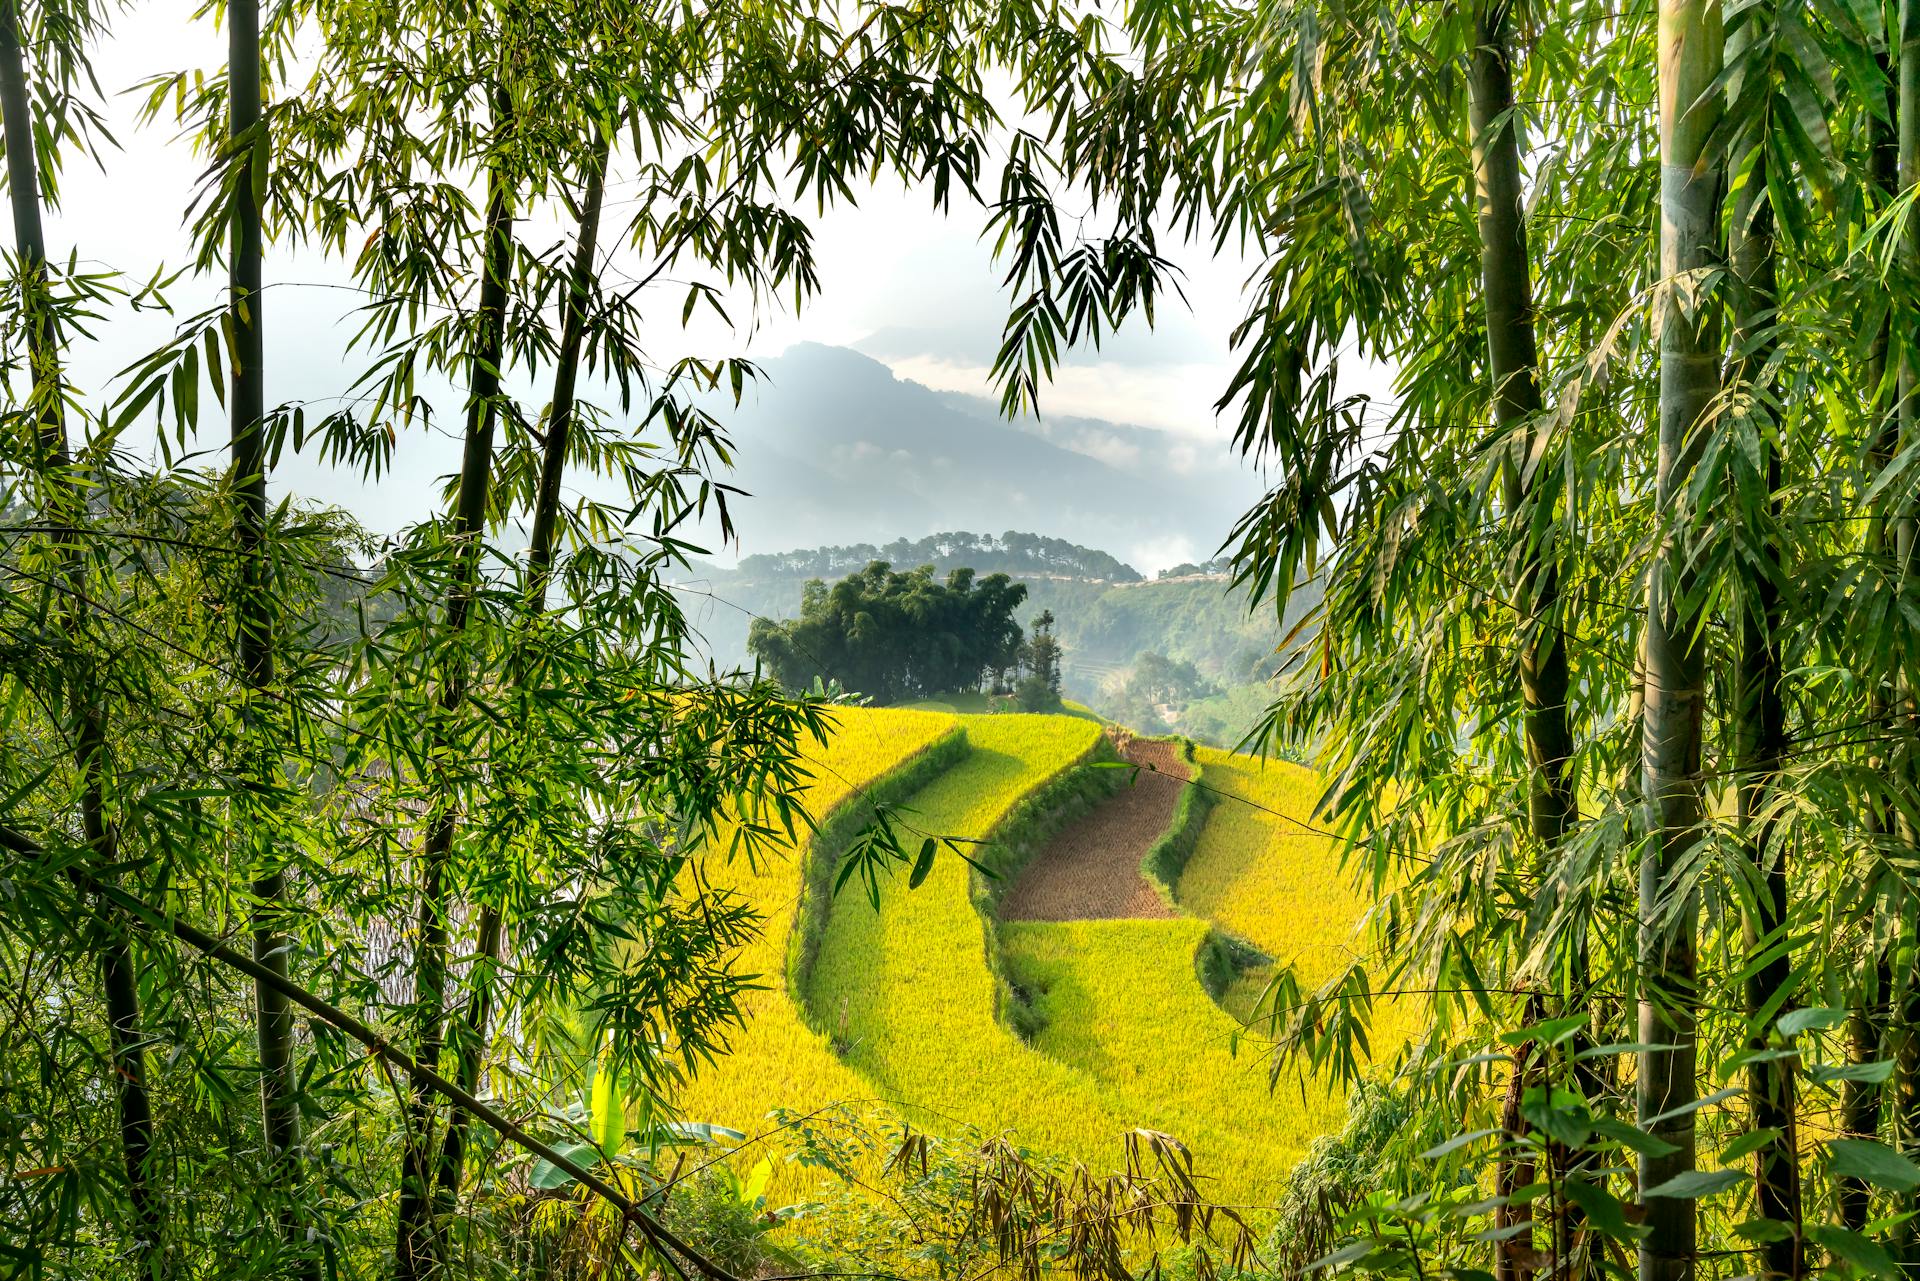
776 1060
1265 873
910 1012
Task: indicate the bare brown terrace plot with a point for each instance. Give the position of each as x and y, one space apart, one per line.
1091 870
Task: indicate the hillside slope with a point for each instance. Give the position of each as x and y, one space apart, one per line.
1106 619
1266 873
1134 1042
833 447
776 1060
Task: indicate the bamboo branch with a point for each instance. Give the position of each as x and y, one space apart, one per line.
145 914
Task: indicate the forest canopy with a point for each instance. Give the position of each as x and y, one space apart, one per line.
1013 553
894 635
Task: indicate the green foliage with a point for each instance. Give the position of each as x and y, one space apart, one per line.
1103 626
1339 1171
1039 657
480 813
973 1203
1644 472
725 1216
895 636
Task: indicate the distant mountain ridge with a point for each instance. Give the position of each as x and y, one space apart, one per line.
832 449
1012 553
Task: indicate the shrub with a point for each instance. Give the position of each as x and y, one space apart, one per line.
725 1216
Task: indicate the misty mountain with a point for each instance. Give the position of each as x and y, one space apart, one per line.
835 449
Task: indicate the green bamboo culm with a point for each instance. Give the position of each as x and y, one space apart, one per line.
470 1037
63 508
1862 1101
253 614
1759 702
415 1247
1513 367
1689 45
1904 766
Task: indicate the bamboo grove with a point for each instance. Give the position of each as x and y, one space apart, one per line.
328 887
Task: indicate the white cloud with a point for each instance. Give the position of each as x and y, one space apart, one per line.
1108 448
1152 555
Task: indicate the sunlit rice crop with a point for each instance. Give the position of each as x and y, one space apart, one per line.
776 1060
907 1005
1134 1041
1265 871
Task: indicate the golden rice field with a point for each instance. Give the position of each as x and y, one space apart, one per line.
777 1061
1274 880
906 1000
1122 1002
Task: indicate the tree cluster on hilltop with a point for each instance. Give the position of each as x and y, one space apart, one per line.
894 635
1189 569
1012 553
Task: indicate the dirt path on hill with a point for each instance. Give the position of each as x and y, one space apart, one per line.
1090 870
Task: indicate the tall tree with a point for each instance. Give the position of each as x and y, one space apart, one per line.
253 610
1868 1041
1906 552
471 1034
1514 368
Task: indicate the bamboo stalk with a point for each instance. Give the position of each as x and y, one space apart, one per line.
1672 713
414 1240
253 613
1513 362
470 1038
1906 548
63 507
1866 1035
1761 714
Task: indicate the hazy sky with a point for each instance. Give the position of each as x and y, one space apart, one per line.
914 289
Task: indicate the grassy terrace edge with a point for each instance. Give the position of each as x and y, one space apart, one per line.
836 834
1022 832
1222 956
1169 856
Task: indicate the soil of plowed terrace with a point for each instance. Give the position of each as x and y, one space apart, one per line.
1090 870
